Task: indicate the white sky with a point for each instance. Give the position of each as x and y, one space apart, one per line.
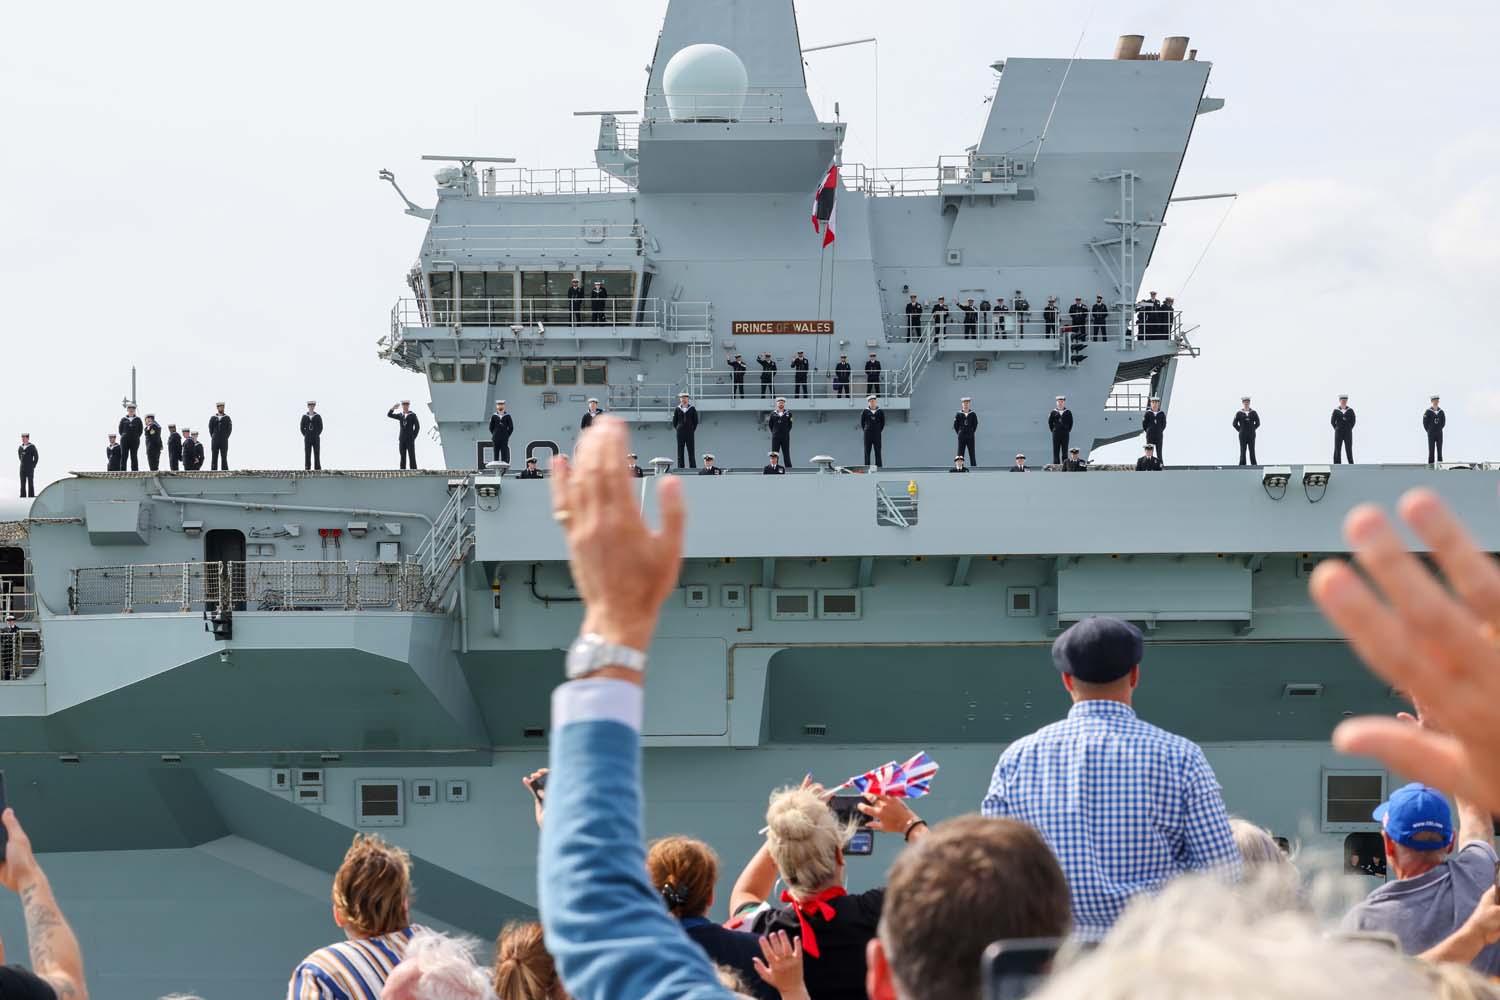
191 188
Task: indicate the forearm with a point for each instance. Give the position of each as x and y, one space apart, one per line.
55 955
755 883
1474 825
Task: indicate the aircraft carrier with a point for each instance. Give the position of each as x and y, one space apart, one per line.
219 677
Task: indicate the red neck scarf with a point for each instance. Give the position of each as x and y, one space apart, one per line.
817 904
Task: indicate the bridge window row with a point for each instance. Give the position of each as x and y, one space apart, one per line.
500 298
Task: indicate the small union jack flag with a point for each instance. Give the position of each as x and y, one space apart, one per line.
910 780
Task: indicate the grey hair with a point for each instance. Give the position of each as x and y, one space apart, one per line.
1257 846
448 969
1201 938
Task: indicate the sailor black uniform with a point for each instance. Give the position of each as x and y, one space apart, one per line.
1433 422
1074 463
29 457
501 428
114 460
598 296
575 305
872 422
1246 422
772 469
219 429
530 472
685 423
780 425
192 454
406 436
130 441
1100 316
971 319
1343 433
800 366
738 365
872 376
767 373
842 377
174 450
1148 463
589 415
965 425
958 464
312 440
1154 423
939 318
1060 423
709 468
1049 317
635 470
913 320
1078 316
152 434
1023 313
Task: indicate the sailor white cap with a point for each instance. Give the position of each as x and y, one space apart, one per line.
1020 454
781 399
530 459
499 402
312 402
152 415
1343 395
1072 451
958 458
1244 399
1150 447
771 454
112 436
26 434
682 395
404 402
219 403
1062 397
872 396
129 406
966 399
707 457
1154 399
632 455
592 400
1434 397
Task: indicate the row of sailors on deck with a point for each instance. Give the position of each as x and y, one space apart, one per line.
1153 318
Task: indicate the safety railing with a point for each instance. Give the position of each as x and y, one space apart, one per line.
1033 324
895 505
260 585
523 181
1128 400
550 240
753 105
16 596
20 652
564 314
952 173
440 556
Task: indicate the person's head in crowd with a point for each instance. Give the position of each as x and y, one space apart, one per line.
806 841
438 967
733 982
523 968
372 888
1417 825
971 881
1267 868
1100 658
684 871
1201 938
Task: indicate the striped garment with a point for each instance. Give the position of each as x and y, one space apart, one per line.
349 970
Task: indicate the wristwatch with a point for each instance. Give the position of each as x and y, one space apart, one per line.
590 652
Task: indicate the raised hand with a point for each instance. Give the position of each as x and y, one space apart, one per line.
782 968
887 814
1442 648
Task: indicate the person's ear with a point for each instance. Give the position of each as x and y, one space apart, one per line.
879 983
1135 676
338 918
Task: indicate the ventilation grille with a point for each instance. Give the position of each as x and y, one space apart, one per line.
814 729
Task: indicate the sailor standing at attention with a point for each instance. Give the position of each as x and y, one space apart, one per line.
312 437
406 437
872 422
965 424
219 429
174 448
130 439
501 428
799 366
598 299
1246 422
151 431
589 415
780 425
737 363
872 376
1060 423
767 372
685 423
1154 423
192 451
27 453
913 320
114 461
1433 422
575 304
1343 431
841 377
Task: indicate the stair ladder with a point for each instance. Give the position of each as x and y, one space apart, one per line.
441 556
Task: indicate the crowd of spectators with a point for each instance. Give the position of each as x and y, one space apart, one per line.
1103 863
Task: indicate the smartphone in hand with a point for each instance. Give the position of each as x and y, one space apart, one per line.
538 786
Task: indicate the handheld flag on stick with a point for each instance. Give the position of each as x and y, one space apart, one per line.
824 210
910 780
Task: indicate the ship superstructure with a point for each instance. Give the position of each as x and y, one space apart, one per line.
220 677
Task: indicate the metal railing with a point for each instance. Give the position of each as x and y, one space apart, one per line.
16 596
523 181
489 240
895 505
441 555
1033 324
20 652
676 319
754 105
951 173
1128 400
260 585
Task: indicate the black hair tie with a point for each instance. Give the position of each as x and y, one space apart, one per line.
674 896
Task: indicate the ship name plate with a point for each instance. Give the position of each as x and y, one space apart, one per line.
746 327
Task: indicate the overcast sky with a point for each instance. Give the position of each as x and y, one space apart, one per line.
191 188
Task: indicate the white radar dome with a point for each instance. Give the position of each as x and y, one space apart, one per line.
705 82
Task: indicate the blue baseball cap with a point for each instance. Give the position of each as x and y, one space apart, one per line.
1413 813
1099 650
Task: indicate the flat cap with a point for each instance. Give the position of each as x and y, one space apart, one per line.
1098 650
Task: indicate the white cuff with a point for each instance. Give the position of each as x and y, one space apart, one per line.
602 699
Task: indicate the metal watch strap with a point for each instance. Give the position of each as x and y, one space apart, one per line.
590 652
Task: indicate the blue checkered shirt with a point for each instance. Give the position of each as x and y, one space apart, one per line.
1124 805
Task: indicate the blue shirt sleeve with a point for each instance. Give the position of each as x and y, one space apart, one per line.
1208 841
607 930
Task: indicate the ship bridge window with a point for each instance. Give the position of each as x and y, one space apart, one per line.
595 373
620 285
471 371
544 297
488 298
441 283
564 373
440 371
534 374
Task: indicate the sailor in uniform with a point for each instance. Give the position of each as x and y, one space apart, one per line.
589 415
913 320
406 438
598 297
767 372
685 423
1049 316
632 468
772 469
1074 463
1020 465
531 471
174 448
130 439
709 468
1148 462
780 424
872 422
940 317
958 464
27 453
151 431
219 429
312 437
737 363
1100 315
1433 422
971 318
192 451
872 375
965 424
114 461
842 377
1060 423
1343 431
1154 423
1078 315
1023 312
575 302
501 428
1246 422
800 366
